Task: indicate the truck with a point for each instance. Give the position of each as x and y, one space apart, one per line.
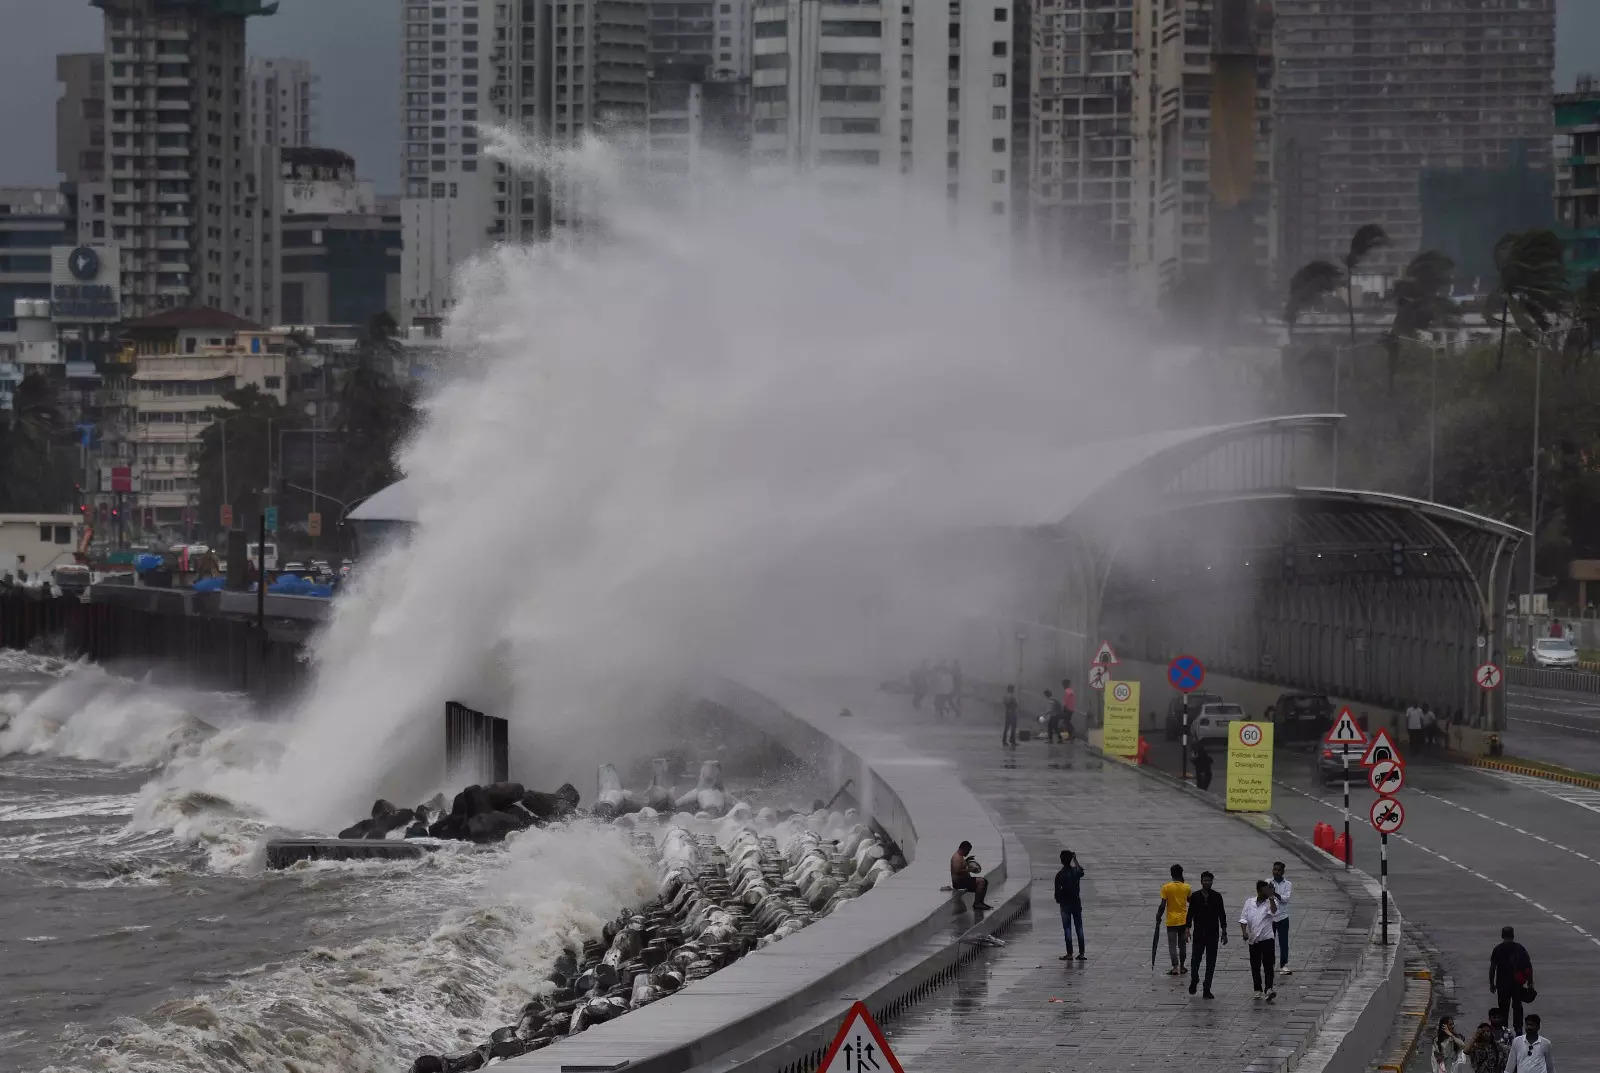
272 555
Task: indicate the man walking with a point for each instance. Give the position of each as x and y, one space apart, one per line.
1175 899
1070 898
1282 891
1208 924
1510 972
1414 723
1256 925
1531 1052
1069 704
1008 734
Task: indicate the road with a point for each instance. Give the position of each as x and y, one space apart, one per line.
1556 727
1479 850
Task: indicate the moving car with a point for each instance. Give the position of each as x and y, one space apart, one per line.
1327 767
1552 652
1174 724
1301 717
1212 722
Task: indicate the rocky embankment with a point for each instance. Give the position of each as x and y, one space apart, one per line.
731 879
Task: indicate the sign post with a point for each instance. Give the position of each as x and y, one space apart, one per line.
1249 767
1344 735
1120 734
1487 676
1099 675
1186 674
859 1047
1105 658
1387 817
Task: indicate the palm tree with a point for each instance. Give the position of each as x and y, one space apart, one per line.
1309 286
1530 285
1422 302
1586 315
1367 238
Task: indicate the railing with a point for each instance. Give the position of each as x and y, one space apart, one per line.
1545 678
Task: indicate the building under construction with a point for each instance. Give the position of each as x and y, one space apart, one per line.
1371 94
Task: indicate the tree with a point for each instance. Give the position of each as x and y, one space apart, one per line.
1308 287
36 458
1367 238
1530 286
248 426
1422 302
1586 316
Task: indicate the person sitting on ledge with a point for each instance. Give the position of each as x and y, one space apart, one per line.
964 876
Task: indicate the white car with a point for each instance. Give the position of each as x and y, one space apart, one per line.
1552 652
1212 722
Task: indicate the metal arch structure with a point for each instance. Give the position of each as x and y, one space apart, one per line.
1226 541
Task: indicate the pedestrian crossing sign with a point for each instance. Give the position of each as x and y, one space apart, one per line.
1345 730
860 1047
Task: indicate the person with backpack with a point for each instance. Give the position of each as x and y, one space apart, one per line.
1511 976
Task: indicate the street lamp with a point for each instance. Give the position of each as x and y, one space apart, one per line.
1539 344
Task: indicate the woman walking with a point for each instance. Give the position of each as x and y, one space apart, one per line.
1449 1049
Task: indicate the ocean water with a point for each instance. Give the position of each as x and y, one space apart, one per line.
141 932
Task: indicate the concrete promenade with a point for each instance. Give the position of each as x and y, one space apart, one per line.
1023 1010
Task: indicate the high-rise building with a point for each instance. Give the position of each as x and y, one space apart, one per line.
177 159
1202 200
699 81
549 70
1081 125
1369 95
920 89
282 102
81 117
1577 158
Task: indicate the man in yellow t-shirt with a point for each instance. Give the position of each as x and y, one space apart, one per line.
1175 901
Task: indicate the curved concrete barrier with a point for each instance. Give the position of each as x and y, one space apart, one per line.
768 1009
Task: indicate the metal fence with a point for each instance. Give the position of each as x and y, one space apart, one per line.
1545 678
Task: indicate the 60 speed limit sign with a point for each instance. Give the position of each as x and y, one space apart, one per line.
1121 691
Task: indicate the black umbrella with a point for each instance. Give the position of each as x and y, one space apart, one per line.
1155 940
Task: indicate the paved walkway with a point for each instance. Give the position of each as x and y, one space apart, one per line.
1024 1011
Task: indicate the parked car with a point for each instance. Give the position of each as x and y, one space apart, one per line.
1174 724
1301 717
1212 722
1552 652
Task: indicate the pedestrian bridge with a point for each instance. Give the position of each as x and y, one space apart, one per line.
1230 543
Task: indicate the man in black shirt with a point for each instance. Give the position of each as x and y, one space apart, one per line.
1510 972
1069 886
1208 924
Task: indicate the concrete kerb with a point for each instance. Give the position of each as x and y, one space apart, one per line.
1353 1024
888 948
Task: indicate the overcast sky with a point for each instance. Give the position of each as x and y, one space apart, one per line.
354 45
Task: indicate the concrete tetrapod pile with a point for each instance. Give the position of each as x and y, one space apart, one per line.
730 880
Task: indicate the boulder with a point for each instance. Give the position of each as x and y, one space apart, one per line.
381 807
428 1063
492 826
357 830
382 825
502 794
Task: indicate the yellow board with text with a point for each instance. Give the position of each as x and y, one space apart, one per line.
1121 723
1249 766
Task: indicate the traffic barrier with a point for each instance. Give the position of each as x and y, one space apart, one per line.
1546 678
1144 751
1339 848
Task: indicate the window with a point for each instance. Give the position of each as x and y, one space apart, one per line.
851 28
774 28
999 48
998 175
847 156
1000 14
836 125
999 81
272 383
999 111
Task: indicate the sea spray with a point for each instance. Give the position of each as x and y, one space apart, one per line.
715 431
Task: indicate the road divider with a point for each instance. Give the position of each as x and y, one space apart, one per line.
1527 767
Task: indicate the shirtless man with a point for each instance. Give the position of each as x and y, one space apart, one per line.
961 877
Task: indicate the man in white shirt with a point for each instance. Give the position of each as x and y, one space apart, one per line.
1414 724
1531 1052
1256 924
1282 890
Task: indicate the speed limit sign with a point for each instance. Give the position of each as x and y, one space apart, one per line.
1121 691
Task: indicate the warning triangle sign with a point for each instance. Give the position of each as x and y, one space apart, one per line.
1345 730
860 1047
1382 748
1104 654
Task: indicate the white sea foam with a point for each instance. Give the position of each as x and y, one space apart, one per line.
373 1006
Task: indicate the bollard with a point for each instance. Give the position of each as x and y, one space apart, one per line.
1319 835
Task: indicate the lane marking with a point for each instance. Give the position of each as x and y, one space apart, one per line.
1457 864
1508 826
1544 723
1573 795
